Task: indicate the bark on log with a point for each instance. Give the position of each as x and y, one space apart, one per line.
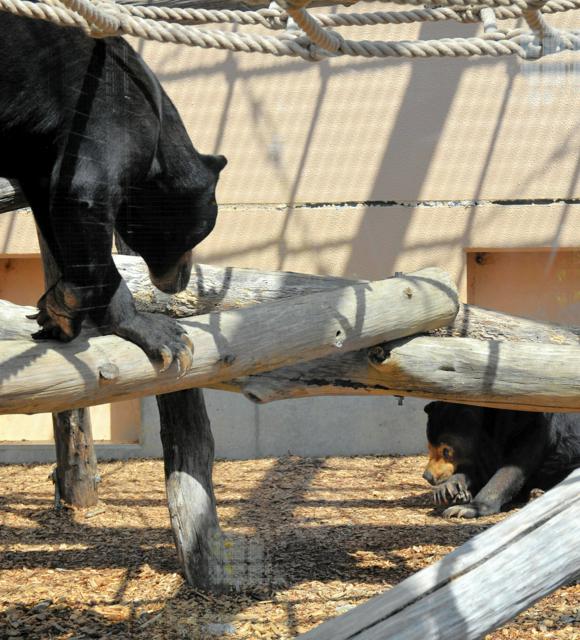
76 463
482 584
188 450
50 376
76 475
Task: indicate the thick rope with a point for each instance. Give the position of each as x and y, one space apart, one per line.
277 19
108 18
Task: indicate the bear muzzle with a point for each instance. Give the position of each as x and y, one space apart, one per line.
175 279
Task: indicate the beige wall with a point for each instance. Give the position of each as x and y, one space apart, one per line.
353 129
536 284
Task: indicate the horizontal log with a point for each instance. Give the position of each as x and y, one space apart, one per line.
482 584
351 373
542 376
214 288
220 289
50 376
505 375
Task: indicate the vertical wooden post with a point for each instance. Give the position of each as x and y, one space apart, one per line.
188 450
76 476
76 464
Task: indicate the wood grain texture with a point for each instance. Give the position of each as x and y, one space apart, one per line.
482 584
76 473
220 289
510 373
49 376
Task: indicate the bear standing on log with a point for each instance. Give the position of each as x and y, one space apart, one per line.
481 459
97 146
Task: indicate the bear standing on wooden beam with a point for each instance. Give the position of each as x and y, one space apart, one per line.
97 145
480 459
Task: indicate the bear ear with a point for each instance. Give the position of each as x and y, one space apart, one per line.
428 408
215 163
432 407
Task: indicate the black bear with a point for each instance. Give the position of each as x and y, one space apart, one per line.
98 146
481 458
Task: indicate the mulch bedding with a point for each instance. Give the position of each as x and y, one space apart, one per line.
318 537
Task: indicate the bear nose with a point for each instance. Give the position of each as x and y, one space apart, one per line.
427 475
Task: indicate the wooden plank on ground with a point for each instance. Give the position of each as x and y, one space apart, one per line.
482 584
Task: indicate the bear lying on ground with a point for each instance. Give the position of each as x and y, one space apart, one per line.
97 146
480 459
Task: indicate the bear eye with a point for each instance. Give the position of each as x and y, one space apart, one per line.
447 453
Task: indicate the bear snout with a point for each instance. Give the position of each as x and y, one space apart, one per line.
175 279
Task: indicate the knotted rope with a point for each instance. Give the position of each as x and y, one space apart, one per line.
313 40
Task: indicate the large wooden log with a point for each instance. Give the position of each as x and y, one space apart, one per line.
217 288
482 584
351 374
220 289
49 376
343 374
510 375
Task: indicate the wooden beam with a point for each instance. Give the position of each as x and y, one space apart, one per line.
49 376
214 288
482 584
505 375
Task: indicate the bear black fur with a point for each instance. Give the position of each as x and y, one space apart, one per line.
97 146
485 458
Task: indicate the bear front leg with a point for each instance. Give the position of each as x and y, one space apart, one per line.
160 337
502 487
80 240
59 313
509 480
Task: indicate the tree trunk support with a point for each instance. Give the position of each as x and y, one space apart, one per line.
76 475
188 450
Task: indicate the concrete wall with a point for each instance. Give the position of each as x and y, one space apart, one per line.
361 168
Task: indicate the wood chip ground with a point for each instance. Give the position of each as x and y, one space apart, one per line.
309 538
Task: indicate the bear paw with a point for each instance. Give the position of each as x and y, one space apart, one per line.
160 337
59 313
453 490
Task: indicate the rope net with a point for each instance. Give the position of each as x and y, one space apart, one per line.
312 37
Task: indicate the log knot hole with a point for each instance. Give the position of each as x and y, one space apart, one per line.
339 339
378 354
108 372
408 292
